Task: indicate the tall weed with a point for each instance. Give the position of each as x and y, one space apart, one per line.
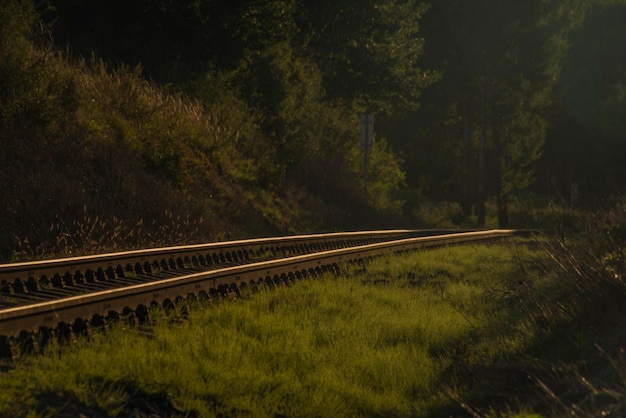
581 346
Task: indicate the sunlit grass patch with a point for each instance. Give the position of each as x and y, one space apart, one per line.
381 343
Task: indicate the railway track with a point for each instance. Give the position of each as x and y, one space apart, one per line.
64 297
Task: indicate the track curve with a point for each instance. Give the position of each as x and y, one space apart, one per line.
58 298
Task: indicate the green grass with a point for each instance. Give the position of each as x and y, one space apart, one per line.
408 337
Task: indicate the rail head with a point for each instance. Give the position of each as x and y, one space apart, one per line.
80 263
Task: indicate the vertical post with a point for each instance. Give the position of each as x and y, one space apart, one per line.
365 158
367 142
482 163
467 166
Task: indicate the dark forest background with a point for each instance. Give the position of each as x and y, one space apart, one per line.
126 124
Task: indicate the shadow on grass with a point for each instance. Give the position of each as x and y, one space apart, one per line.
131 402
575 365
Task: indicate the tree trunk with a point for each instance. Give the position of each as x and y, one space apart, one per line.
466 203
503 211
480 207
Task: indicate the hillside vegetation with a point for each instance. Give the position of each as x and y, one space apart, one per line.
98 156
130 125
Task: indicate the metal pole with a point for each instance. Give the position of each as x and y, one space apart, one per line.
365 158
367 142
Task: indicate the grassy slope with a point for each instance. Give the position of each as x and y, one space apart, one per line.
411 336
99 158
126 164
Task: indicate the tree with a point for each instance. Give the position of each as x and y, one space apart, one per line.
587 142
499 61
368 51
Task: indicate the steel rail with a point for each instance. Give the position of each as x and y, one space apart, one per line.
83 308
27 283
32 282
229 249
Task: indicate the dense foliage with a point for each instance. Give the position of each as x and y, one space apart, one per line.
243 116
